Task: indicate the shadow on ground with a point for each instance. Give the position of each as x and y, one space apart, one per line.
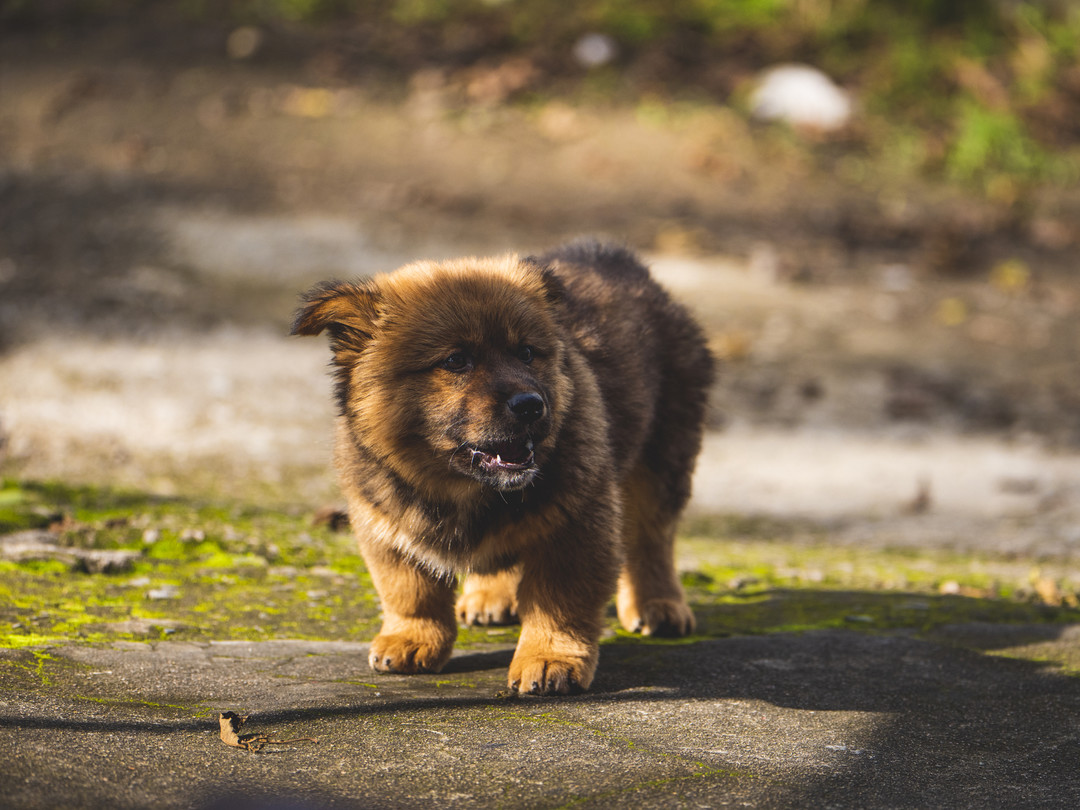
825 718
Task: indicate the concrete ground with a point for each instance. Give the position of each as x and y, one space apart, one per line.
824 719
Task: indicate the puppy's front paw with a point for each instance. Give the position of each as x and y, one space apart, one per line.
405 655
550 675
658 617
486 606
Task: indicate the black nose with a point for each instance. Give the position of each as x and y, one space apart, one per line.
527 406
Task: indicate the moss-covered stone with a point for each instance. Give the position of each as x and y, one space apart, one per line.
214 571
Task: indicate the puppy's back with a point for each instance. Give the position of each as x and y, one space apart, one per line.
642 346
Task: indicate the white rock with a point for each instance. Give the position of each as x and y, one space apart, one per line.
802 96
594 50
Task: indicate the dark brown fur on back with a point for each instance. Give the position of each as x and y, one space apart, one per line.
530 423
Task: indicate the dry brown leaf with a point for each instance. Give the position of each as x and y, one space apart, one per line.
231 723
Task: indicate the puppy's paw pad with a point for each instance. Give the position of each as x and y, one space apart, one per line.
486 607
400 654
540 675
664 618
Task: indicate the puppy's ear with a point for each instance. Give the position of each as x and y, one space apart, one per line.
554 290
348 310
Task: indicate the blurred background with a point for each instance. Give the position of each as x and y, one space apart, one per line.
872 205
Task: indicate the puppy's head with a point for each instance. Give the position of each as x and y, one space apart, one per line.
451 372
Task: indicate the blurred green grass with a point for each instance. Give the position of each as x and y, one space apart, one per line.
983 95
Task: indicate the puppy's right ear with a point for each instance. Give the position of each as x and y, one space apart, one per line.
348 310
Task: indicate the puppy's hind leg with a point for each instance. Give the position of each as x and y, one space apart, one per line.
650 599
490 598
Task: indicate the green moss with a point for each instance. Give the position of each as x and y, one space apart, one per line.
468 637
235 571
18 509
455 682
754 578
14 641
238 571
44 567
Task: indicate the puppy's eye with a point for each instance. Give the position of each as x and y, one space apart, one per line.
458 361
525 354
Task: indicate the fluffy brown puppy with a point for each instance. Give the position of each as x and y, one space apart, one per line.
530 423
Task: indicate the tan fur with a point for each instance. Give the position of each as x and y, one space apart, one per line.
490 598
524 422
649 599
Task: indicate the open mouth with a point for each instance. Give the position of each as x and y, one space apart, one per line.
509 456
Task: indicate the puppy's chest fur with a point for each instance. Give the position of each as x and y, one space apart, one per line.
483 533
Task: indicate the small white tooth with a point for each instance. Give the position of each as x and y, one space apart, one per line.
529 445
498 459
